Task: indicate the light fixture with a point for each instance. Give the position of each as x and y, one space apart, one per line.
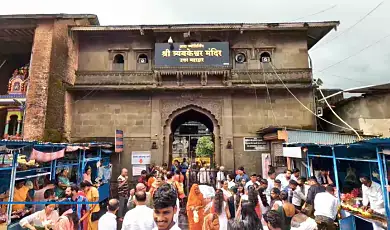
170 40
154 145
229 144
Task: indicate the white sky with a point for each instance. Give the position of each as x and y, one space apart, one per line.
367 67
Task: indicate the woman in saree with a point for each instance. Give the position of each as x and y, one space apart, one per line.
63 183
195 204
92 195
156 184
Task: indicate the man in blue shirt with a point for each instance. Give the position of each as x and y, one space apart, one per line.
241 175
72 195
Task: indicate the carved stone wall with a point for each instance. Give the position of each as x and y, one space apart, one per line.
211 107
214 106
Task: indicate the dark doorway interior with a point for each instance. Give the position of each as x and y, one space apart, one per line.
186 129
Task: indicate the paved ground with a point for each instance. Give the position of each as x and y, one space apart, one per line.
183 221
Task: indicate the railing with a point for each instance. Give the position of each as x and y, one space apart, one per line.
232 78
194 177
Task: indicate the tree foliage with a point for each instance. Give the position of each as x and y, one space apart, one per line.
204 147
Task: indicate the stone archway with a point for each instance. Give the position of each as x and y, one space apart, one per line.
188 109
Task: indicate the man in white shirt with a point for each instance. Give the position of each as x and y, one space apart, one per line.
372 193
326 206
140 217
252 181
220 177
295 174
139 187
271 181
284 179
164 202
108 220
297 197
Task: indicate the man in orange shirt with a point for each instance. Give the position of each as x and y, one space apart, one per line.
20 195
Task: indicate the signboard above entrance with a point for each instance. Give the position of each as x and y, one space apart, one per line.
255 144
192 55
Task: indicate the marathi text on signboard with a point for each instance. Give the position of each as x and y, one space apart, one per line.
194 54
255 144
140 158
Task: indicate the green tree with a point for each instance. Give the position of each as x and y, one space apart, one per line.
204 147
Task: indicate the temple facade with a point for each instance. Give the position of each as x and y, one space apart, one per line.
228 80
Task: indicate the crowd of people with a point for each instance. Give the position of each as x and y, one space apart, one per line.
241 201
286 201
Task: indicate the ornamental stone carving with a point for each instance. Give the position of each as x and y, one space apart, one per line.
214 106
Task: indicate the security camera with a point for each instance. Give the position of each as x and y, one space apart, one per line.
240 58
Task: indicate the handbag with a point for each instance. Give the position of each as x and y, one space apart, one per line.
96 215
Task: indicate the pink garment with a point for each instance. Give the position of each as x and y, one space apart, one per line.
64 223
87 177
38 195
46 157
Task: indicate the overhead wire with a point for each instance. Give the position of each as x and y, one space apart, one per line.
254 86
304 106
319 12
349 28
269 95
337 116
353 55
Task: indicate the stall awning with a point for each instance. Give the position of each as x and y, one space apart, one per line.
326 138
293 136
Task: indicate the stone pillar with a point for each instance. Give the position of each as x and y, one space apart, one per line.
37 93
53 63
156 132
227 120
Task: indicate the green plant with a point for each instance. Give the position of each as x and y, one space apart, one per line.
204 147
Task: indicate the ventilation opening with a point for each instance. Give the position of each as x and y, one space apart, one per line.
265 57
240 58
142 59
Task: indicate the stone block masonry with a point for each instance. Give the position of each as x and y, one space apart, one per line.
51 66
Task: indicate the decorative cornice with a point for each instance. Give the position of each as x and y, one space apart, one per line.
129 87
114 73
194 68
279 71
195 72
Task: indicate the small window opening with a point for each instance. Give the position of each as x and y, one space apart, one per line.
143 59
118 63
265 57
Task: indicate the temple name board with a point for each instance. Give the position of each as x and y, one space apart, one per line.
192 55
255 144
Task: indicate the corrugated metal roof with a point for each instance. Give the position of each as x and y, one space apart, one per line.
213 26
315 137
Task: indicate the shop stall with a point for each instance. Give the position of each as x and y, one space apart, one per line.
347 162
88 158
37 164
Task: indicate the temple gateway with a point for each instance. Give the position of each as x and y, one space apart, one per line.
165 86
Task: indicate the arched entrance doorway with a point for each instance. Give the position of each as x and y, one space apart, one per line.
182 130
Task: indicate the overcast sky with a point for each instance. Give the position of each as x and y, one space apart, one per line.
340 55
